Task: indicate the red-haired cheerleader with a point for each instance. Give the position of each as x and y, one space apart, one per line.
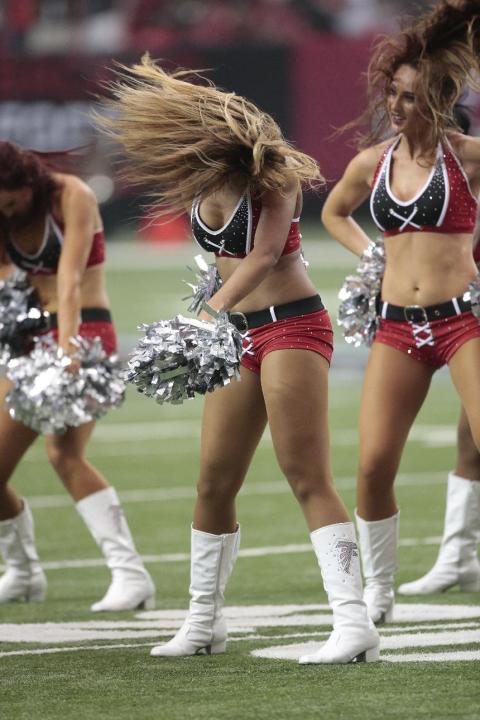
51 228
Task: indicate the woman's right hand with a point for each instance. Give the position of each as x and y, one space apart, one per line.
347 195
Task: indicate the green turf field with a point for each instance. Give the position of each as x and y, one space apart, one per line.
57 660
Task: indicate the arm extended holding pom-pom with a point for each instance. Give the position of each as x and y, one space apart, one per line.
78 210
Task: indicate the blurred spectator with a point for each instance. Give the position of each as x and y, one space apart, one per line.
18 18
108 26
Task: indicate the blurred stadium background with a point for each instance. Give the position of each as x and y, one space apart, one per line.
301 60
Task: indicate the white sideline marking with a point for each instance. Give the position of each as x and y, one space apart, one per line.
149 495
184 557
293 652
133 432
245 621
53 651
450 656
279 615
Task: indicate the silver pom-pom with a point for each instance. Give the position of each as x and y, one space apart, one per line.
21 316
473 294
371 265
49 399
179 358
208 281
357 313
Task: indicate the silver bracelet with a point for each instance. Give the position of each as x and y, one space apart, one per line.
210 311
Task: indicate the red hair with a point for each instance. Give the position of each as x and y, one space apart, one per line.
21 168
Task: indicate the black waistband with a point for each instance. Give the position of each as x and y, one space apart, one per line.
86 315
419 314
245 321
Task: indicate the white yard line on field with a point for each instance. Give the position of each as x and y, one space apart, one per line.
149 495
133 433
268 550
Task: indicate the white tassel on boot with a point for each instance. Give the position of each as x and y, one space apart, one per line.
354 638
204 630
131 586
24 578
378 548
457 562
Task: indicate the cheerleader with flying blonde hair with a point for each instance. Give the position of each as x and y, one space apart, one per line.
218 156
51 229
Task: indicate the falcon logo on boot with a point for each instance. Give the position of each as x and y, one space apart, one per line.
347 551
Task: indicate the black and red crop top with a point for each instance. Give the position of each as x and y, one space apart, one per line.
236 238
45 260
444 205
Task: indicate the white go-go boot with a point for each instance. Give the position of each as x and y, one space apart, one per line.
378 541
204 631
131 587
457 562
24 578
354 637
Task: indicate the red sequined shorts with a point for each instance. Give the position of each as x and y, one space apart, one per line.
433 342
299 331
95 322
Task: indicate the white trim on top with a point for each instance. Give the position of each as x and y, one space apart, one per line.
377 182
446 182
58 233
248 242
195 209
404 203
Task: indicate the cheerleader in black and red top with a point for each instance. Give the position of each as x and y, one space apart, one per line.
220 157
51 228
423 188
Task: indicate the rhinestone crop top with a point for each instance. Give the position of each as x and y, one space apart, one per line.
45 260
444 205
236 238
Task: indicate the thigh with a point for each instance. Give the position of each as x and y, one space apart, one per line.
295 388
464 368
15 438
72 443
234 419
393 391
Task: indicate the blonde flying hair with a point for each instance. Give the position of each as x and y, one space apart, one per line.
443 47
184 139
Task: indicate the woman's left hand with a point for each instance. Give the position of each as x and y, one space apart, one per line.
73 366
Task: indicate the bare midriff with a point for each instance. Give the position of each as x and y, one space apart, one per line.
286 282
427 268
93 291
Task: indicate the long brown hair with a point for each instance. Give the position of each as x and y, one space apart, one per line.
443 47
20 168
183 138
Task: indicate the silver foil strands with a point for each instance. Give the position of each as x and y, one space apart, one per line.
49 399
21 316
179 358
208 281
473 294
357 312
